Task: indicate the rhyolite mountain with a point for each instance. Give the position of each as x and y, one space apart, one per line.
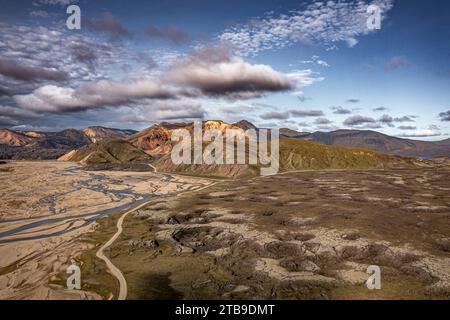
34 145
157 139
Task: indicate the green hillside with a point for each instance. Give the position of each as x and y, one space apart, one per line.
117 151
295 155
304 155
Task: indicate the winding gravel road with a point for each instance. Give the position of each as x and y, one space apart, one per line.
112 268
123 289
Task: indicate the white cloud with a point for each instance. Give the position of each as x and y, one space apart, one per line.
39 13
202 74
327 22
304 78
54 2
316 60
51 98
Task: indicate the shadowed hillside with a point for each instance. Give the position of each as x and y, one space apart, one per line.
33 145
117 151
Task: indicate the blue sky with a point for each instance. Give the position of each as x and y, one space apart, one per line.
307 65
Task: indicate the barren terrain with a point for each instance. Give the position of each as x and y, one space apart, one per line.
298 235
304 235
47 206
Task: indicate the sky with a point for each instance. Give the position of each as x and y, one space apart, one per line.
304 65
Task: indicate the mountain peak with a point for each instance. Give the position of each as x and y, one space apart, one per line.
245 125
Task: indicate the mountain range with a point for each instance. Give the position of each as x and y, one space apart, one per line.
35 145
156 140
376 141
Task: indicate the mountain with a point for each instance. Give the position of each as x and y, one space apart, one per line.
111 151
445 142
97 134
376 141
284 132
34 145
289 133
295 153
157 138
42 146
33 134
245 125
13 139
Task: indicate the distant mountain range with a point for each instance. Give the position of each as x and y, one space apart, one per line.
376 141
156 140
34 145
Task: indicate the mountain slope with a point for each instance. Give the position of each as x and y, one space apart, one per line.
13 138
245 125
380 142
157 138
115 151
296 154
97 134
289 133
33 145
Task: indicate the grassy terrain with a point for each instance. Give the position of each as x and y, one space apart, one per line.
300 155
107 152
295 155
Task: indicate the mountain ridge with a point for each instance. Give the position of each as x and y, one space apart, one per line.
156 140
35 145
380 142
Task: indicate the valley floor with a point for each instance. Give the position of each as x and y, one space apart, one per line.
47 206
304 235
298 235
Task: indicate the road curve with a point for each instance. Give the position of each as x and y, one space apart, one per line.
123 290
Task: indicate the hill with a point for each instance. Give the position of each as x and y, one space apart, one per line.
116 151
376 141
296 154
